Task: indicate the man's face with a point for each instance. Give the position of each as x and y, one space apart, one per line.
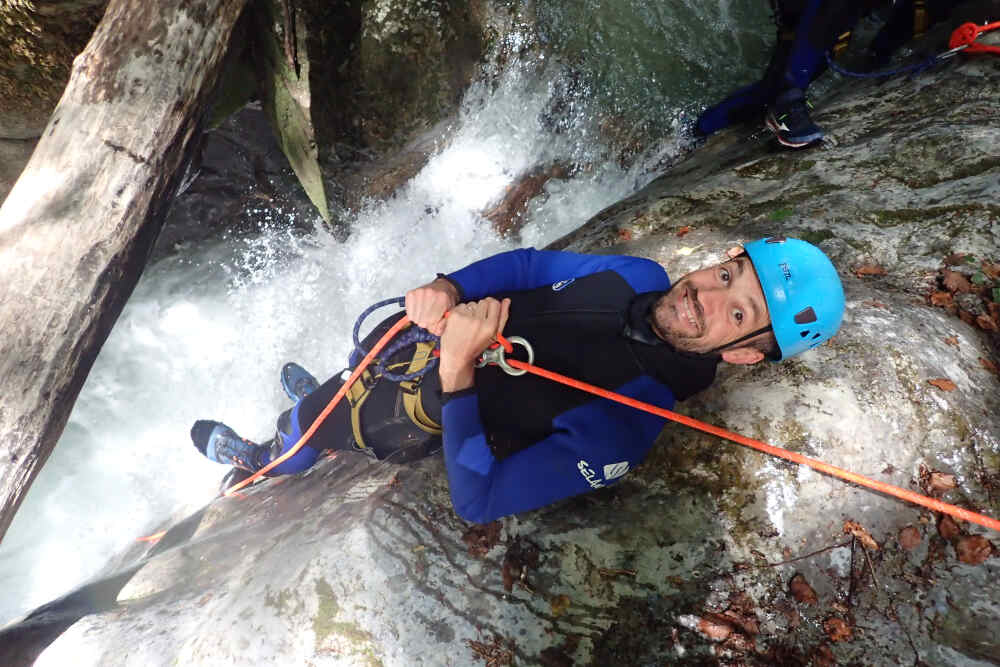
711 307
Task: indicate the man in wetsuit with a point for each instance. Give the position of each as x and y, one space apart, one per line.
512 444
807 30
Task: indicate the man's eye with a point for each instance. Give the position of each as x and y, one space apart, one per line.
725 275
738 315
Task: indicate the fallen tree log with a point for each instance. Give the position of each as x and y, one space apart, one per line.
77 227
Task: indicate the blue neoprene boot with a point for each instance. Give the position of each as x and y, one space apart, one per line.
220 443
788 117
297 381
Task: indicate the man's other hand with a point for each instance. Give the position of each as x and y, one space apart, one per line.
470 329
426 305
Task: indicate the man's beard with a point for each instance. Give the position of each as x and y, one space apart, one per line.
665 311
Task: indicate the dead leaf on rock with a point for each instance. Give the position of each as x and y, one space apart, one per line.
986 323
944 384
837 629
869 270
940 482
991 269
876 304
954 281
625 234
480 539
560 605
801 590
956 259
822 656
862 535
952 340
948 529
989 365
715 628
910 538
943 299
684 230
967 317
973 549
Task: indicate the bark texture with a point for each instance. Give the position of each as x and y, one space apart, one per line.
79 224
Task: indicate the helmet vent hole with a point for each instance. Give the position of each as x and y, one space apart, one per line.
803 334
815 336
805 316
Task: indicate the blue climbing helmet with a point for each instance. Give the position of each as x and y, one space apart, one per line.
802 289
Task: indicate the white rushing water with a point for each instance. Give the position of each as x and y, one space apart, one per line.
207 330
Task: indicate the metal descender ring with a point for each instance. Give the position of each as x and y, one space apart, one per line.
498 355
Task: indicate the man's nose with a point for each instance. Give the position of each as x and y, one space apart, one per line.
712 300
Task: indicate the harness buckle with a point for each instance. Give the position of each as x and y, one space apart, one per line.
498 355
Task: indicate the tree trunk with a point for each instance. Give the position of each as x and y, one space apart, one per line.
79 224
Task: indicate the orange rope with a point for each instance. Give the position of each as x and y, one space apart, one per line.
889 489
401 324
883 487
966 34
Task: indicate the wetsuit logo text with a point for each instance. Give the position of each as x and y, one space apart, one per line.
589 474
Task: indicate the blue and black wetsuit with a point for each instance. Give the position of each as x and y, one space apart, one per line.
807 29
513 444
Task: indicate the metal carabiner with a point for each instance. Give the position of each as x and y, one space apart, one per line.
498 355
952 52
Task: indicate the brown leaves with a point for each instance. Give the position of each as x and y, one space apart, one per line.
970 549
684 230
862 535
869 270
944 384
954 281
837 629
942 299
973 549
991 269
989 365
714 627
934 482
496 653
941 482
948 529
952 340
560 605
801 590
909 538
480 539
521 557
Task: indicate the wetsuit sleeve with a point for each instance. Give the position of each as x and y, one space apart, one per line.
592 446
527 268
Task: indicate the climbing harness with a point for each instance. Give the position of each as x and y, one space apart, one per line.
498 354
963 39
409 382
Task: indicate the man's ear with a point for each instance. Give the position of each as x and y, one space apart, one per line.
742 355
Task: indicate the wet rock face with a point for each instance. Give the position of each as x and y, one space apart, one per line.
690 559
384 73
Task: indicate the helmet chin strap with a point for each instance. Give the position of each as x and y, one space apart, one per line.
750 335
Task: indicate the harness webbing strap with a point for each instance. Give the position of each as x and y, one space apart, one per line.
412 398
357 394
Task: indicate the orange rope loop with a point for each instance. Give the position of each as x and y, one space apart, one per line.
966 34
